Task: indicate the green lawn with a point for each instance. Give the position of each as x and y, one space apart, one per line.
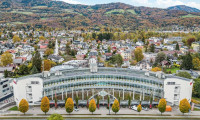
15 108
132 11
189 16
196 109
116 11
173 69
20 12
198 99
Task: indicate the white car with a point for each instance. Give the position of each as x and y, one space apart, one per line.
76 109
134 108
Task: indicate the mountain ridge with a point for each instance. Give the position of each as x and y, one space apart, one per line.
61 14
184 8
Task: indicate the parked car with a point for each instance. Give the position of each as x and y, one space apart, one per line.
134 108
76 109
145 108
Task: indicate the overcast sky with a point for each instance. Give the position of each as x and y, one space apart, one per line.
149 3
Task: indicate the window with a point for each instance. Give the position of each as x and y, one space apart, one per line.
34 82
170 83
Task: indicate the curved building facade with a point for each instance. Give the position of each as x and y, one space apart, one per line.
80 81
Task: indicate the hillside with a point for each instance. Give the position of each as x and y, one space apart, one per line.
61 14
184 8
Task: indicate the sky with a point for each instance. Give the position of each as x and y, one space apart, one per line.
148 3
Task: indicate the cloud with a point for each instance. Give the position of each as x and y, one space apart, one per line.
71 1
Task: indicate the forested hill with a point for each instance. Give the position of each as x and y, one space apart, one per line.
61 14
184 8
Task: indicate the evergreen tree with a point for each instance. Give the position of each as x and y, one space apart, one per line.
177 46
152 48
76 99
34 70
187 62
37 61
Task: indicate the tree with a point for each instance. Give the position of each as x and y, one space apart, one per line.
196 63
45 104
42 38
117 59
108 100
162 105
160 57
55 117
109 49
138 54
34 70
196 88
47 65
16 39
139 108
129 101
23 106
23 70
190 41
69 105
177 46
184 74
152 48
184 106
37 61
92 106
76 99
48 52
187 62
6 58
98 102
115 106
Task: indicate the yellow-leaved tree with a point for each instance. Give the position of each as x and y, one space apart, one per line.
16 39
92 106
139 108
23 106
6 58
45 104
115 106
138 54
69 105
184 106
162 105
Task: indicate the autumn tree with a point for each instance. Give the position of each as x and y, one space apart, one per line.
45 104
16 39
115 106
47 65
196 63
139 108
190 41
55 117
23 106
48 52
162 105
6 58
92 106
138 54
184 106
69 105
42 38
